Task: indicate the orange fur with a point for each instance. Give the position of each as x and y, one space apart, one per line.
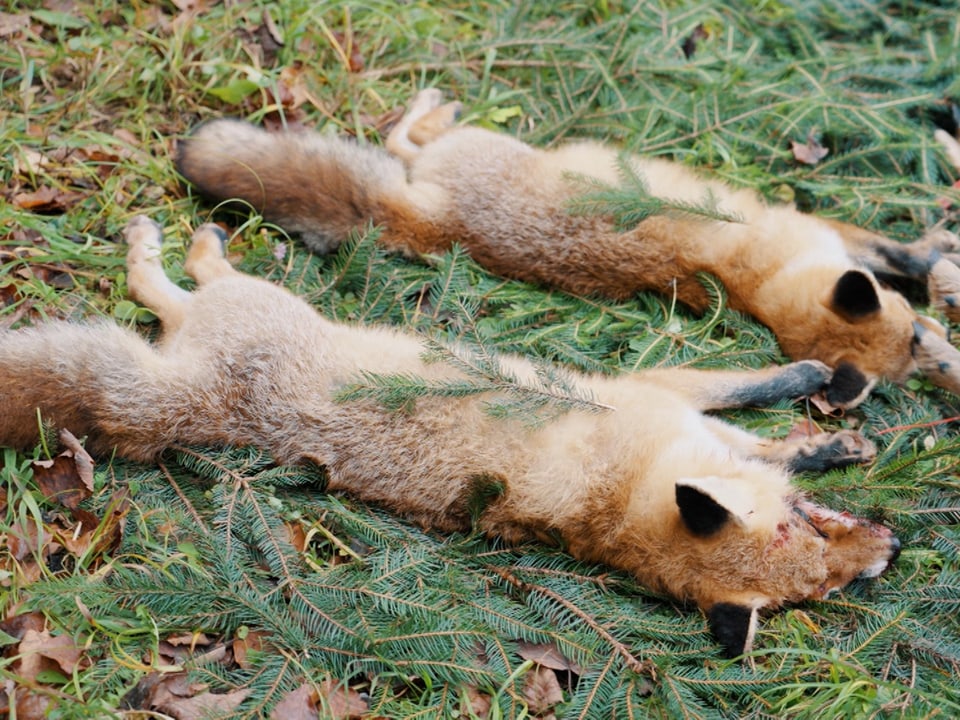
690 505
509 204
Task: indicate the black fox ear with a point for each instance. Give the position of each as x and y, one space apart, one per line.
701 513
733 626
855 296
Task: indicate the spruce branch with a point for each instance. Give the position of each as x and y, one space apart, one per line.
550 393
630 202
638 666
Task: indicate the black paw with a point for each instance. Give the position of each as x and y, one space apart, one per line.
828 451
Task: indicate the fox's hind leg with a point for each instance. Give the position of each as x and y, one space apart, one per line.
205 258
426 119
146 280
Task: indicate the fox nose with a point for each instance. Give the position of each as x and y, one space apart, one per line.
894 550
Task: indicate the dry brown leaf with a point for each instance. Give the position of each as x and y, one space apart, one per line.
301 704
197 707
340 702
60 481
61 649
31 705
348 50
13 23
548 655
253 640
542 690
23 540
80 456
474 704
803 429
46 200
16 626
191 640
809 153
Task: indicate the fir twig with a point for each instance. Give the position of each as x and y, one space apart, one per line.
638 666
534 402
630 202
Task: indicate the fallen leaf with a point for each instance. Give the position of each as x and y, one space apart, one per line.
820 402
200 706
46 200
80 457
60 481
17 625
542 690
474 704
31 705
803 429
61 649
546 654
810 153
300 704
253 640
191 640
11 23
340 702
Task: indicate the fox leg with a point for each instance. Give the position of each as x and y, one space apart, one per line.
809 453
718 389
146 280
426 119
205 258
933 259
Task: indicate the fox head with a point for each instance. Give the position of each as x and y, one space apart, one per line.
753 558
862 330
739 544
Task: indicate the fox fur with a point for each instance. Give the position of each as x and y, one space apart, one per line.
692 506
809 279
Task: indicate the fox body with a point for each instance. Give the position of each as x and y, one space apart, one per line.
809 279
692 506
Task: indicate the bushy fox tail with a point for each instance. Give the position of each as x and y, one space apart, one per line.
98 380
317 186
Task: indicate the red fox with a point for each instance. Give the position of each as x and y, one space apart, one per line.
690 505
808 279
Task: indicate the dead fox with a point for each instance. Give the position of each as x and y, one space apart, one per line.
690 505
807 278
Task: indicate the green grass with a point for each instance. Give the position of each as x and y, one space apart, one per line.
92 99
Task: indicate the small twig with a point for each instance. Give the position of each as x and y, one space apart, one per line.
183 498
917 426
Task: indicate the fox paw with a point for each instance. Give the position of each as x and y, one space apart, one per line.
826 451
142 231
943 284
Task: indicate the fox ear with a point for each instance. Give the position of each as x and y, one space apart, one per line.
707 504
734 627
855 296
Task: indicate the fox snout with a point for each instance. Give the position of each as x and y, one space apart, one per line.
853 547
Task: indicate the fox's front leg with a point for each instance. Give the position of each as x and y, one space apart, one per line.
718 389
934 260
818 452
